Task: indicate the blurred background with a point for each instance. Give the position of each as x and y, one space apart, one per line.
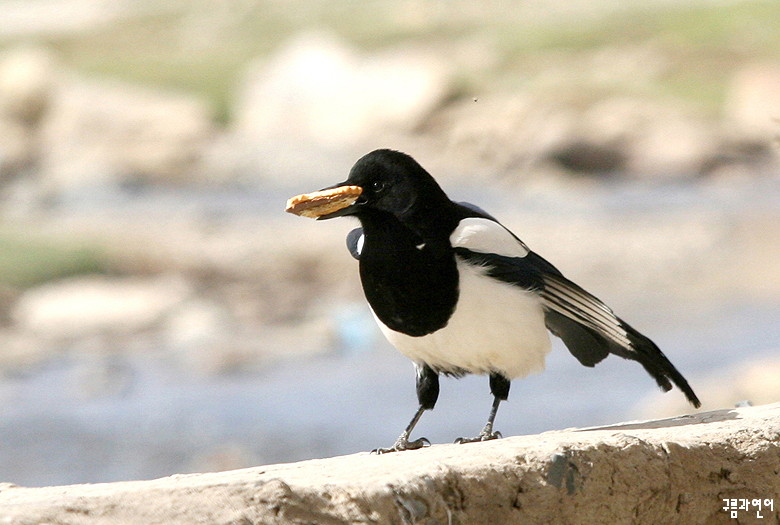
160 313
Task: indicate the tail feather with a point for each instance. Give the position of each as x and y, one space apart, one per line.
658 365
590 346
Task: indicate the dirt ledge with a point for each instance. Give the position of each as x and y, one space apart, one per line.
665 471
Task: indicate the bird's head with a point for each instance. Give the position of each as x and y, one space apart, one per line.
381 182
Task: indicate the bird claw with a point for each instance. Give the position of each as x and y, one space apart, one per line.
402 443
483 436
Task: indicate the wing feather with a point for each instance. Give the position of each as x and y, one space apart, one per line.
568 299
588 327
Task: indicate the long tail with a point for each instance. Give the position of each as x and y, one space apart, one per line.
591 331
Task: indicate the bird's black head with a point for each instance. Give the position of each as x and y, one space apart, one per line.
381 183
393 183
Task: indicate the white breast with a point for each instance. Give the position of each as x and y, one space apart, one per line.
496 327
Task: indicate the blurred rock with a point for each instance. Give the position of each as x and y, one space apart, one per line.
587 156
82 306
251 349
27 77
649 138
21 351
504 132
640 137
534 133
319 89
110 133
316 90
196 322
676 145
203 335
754 381
753 102
18 148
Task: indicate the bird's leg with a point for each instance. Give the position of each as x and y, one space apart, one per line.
427 394
487 432
499 386
403 443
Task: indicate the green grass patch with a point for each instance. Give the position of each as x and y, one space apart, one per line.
170 51
27 261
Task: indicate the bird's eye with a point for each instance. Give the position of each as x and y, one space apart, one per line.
378 185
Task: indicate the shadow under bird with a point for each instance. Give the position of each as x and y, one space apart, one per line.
458 293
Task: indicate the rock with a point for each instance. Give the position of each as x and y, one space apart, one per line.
202 333
100 132
318 89
19 351
753 102
197 321
590 157
27 77
504 132
538 134
83 133
95 305
648 138
668 471
754 381
675 146
18 148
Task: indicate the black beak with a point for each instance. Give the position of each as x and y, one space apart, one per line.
349 210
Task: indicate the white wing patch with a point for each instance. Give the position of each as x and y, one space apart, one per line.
486 236
580 306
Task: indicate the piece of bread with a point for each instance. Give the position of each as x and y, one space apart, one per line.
322 202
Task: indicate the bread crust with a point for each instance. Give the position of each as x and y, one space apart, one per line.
319 203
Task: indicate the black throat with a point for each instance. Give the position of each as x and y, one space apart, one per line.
410 278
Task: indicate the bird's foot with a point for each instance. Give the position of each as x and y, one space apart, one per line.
483 436
403 443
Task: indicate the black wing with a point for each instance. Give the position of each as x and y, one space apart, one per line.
468 209
588 327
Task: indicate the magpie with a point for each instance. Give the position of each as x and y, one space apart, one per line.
458 293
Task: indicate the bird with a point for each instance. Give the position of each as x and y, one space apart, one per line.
458 293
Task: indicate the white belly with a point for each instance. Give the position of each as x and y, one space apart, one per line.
496 327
